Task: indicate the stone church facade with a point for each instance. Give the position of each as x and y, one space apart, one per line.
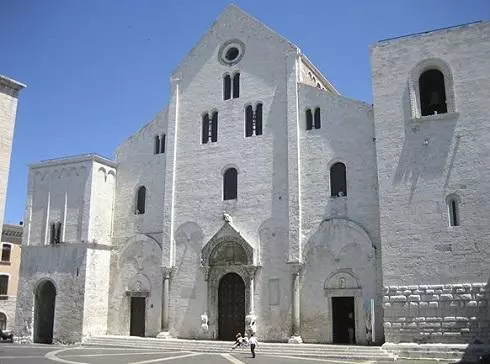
262 200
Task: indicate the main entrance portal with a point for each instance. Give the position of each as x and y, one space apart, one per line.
45 299
137 324
231 306
343 320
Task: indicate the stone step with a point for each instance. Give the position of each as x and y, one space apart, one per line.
304 350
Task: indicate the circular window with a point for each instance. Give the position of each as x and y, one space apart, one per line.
231 52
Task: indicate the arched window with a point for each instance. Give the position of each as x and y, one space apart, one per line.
4 284
453 210
226 87
338 180
6 250
236 85
318 122
253 120
309 119
432 93
157 144
205 128
3 321
141 200
230 184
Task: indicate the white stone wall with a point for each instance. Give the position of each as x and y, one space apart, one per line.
8 109
194 178
64 266
422 161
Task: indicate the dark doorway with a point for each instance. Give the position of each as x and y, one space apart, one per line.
231 306
344 331
138 310
45 299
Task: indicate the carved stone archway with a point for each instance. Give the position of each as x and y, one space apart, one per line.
228 252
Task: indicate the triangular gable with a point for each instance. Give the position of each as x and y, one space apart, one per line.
227 233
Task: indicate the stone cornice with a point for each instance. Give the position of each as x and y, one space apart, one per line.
75 159
12 230
10 86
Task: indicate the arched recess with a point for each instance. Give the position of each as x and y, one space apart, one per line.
414 88
3 321
44 310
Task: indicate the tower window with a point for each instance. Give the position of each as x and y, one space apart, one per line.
140 201
55 233
453 211
236 85
210 127
432 93
157 144
230 184
309 119
253 120
226 87
317 118
338 180
162 143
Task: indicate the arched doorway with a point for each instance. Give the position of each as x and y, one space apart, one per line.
231 306
45 299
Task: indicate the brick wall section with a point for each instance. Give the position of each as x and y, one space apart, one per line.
451 313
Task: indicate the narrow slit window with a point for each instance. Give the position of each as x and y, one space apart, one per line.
58 232
258 119
317 118
214 127
338 180
157 144
309 119
141 201
162 143
6 251
432 93
230 184
52 235
249 123
205 128
236 85
453 210
226 87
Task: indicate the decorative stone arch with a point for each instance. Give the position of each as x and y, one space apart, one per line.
41 281
139 286
227 234
357 231
217 261
414 89
342 279
138 238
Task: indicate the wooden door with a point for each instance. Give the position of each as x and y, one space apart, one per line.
138 316
231 306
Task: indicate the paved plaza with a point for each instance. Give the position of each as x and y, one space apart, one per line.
48 354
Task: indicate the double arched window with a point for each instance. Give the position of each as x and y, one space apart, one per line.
338 180
230 184
313 119
140 200
231 86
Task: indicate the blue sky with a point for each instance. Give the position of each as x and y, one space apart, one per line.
98 70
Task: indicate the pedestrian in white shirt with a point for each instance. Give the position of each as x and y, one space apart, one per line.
253 343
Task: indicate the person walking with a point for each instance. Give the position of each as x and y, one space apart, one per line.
253 343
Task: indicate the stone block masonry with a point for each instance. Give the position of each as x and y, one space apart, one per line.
449 313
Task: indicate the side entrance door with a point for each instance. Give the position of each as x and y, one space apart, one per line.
137 323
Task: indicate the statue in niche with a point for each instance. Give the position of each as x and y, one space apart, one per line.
204 322
341 282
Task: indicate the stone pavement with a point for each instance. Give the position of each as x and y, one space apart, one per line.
49 354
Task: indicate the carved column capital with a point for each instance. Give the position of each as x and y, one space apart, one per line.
251 270
167 272
296 268
205 271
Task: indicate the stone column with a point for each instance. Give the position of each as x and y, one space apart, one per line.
204 316
251 319
296 324
166 274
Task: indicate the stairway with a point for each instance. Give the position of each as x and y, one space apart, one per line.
343 352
